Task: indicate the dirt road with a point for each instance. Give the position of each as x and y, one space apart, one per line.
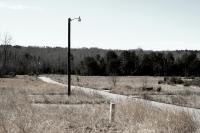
118 98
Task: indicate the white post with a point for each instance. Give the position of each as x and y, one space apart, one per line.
112 112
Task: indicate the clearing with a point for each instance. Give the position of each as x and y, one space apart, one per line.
30 105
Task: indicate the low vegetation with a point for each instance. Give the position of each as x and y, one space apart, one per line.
192 82
77 97
187 81
20 115
171 90
171 80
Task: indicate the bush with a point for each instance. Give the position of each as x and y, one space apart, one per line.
175 80
187 83
195 82
12 74
146 97
171 80
147 88
158 89
7 75
31 74
161 82
166 79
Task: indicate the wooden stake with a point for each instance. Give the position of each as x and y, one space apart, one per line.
112 112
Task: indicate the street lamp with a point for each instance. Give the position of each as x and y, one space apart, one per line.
69 52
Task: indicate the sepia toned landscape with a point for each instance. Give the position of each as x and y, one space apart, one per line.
30 105
99 66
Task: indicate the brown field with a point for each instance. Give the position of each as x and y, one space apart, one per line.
40 92
28 105
133 85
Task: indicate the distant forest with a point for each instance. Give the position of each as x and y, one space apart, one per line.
94 61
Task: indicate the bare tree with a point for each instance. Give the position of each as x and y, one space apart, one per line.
114 79
5 42
144 83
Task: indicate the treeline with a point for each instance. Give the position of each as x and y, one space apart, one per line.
144 63
94 61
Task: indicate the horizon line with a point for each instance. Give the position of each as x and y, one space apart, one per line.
134 49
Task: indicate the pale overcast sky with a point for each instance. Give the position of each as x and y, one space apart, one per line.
116 24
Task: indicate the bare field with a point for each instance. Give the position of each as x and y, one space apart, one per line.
40 92
106 82
88 113
145 87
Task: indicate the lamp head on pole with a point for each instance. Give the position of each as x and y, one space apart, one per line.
79 19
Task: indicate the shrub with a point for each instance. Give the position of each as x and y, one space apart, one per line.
175 80
187 83
158 89
166 79
12 74
146 97
31 74
161 82
114 80
195 82
171 80
147 88
7 75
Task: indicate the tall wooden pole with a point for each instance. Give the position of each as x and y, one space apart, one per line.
69 59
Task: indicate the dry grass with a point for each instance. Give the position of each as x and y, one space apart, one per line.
139 86
30 85
144 118
127 85
102 82
77 97
40 92
134 83
18 115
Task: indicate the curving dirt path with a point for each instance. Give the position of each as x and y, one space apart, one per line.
118 98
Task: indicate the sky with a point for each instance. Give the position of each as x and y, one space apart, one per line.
108 24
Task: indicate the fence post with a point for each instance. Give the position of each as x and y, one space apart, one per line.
112 112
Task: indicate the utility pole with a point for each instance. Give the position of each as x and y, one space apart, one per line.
69 59
69 53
